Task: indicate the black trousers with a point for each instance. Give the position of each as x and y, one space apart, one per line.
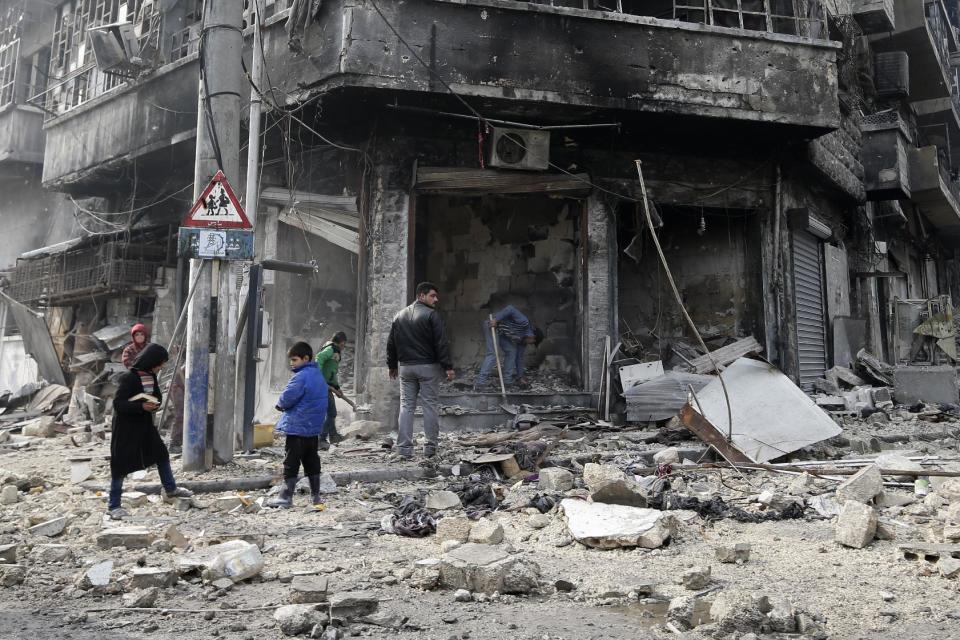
301 450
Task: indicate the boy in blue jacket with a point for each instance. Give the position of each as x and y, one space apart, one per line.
304 406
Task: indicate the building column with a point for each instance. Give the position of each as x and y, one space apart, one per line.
601 288
384 292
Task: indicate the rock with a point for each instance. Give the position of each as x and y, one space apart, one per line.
52 553
564 586
50 528
485 531
782 616
176 538
539 521
328 484
426 574
609 485
147 577
127 537
950 489
449 545
670 455
9 494
948 567
42 427
308 589
363 429
227 503
12 574
951 514
696 578
681 612
486 569
608 526
878 418
8 553
442 500
886 499
555 480
733 554
454 528
856 525
951 533
97 575
801 484
297 619
352 604
142 598
462 595
888 529
738 613
862 486
886 596
133 498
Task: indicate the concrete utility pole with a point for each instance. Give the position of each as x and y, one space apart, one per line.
218 130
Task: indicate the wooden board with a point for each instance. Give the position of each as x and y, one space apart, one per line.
725 355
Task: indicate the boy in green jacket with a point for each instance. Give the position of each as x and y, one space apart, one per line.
328 359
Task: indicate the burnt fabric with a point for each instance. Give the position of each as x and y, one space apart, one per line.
412 520
135 443
716 508
476 496
301 450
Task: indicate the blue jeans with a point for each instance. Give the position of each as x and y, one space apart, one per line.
330 424
511 356
116 484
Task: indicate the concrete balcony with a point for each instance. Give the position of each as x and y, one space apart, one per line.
518 54
21 138
935 193
90 146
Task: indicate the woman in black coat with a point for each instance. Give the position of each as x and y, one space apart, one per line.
135 443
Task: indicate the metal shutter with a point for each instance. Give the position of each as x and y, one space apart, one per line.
808 296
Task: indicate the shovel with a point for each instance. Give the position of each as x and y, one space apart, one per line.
509 408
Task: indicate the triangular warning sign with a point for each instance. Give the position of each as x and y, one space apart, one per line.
218 207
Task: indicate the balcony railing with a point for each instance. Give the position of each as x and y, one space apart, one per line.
941 30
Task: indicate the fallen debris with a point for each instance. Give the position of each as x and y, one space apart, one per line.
610 526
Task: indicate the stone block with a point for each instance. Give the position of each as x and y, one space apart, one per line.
442 500
40 428
9 494
298 619
555 480
609 526
453 528
933 385
670 455
353 605
862 486
227 503
696 578
8 553
485 531
948 567
146 577
609 485
12 574
127 537
52 553
950 489
98 575
486 569
733 554
50 528
141 598
308 589
856 525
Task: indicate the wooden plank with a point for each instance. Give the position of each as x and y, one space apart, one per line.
703 429
444 179
340 236
725 355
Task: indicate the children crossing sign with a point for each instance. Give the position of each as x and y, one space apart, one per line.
217 207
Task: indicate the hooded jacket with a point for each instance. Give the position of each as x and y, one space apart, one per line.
135 442
303 402
132 350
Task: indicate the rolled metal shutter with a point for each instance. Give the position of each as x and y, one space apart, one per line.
808 296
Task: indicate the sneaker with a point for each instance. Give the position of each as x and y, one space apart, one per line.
117 514
399 458
179 492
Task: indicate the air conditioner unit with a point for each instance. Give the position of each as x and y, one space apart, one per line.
891 72
520 149
115 47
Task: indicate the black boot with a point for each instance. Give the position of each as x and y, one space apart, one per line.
315 489
285 499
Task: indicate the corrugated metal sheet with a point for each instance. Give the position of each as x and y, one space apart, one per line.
808 295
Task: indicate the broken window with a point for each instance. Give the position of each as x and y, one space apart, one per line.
9 53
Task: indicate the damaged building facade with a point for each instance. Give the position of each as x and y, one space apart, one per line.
797 157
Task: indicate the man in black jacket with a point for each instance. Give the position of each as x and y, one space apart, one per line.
418 353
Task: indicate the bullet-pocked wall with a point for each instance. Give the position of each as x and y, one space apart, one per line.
714 257
485 252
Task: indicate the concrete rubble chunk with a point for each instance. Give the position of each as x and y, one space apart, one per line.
363 429
462 595
743 613
50 528
141 598
97 575
485 531
442 500
950 489
298 619
12 574
308 589
126 537
862 486
227 503
610 485
176 538
782 617
539 521
670 455
681 612
134 498
886 499
52 553
733 554
696 578
609 526
486 569
328 484
555 480
9 494
234 559
948 567
426 574
8 553
454 528
896 462
146 577
352 605
42 427
856 525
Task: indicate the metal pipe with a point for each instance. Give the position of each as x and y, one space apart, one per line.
289 267
250 355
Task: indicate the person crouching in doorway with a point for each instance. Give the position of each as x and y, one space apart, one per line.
304 406
135 443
